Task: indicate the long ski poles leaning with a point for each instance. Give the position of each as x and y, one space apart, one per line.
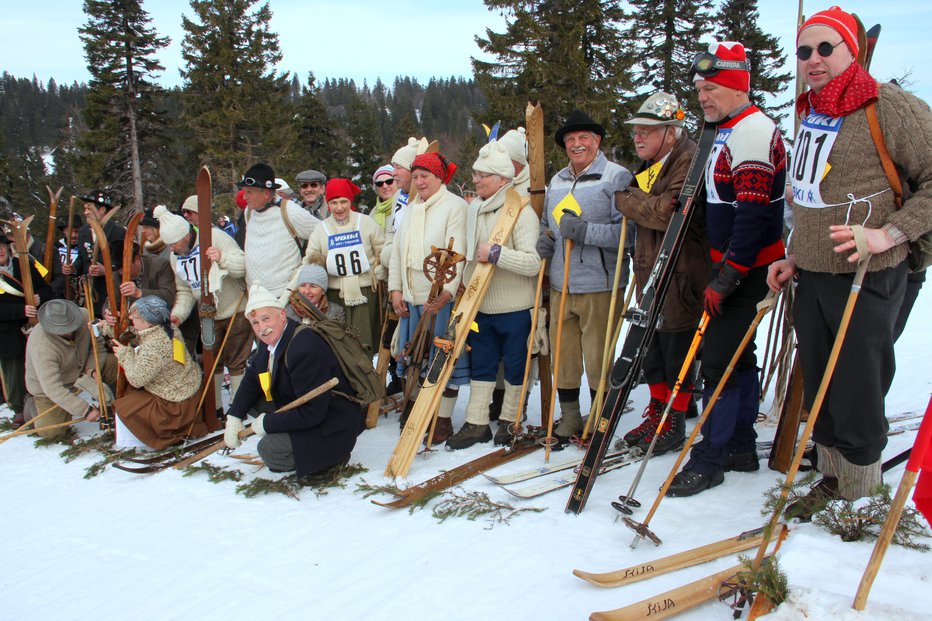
626 501
863 261
641 528
642 324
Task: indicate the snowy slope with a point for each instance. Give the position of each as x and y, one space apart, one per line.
167 547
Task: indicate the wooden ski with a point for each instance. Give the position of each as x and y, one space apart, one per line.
20 232
534 120
103 246
207 309
122 331
460 322
448 479
50 232
674 562
67 260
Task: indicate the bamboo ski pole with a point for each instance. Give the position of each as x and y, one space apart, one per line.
923 441
219 444
641 528
606 367
864 259
515 427
567 249
27 432
101 395
596 406
628 499
29 423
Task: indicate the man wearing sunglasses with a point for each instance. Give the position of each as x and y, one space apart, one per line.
744 185
311 185
839 181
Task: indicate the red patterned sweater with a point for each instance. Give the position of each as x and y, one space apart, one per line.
744 180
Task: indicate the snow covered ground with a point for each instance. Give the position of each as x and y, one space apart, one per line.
123 546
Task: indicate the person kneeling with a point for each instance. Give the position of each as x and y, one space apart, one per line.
314 436
159 407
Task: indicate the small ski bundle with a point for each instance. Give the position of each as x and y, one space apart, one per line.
643 322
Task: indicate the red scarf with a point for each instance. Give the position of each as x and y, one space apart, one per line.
848 91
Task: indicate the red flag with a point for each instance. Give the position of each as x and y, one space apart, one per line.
921 460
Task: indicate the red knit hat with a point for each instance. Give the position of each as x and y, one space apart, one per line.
341 188
843 23
732 52
436 164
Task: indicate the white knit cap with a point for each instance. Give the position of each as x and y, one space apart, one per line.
404 156
515 143
494 159
172 228
190 204
282 183
259 297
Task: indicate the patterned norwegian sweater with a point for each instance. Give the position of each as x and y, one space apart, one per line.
745 180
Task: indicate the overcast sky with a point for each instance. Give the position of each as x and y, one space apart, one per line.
364 39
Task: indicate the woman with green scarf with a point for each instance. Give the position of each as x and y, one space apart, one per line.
384 181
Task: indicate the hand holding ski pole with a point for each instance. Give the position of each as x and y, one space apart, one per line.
878 240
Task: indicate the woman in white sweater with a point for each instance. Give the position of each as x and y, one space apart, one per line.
434 217
504 319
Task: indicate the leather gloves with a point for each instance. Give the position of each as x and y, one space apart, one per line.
573 227
231 432
723 285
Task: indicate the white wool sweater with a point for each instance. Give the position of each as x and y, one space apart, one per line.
373 239
272 255
445 217
515 278
225 280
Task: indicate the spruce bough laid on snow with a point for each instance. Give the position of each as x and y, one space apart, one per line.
862 519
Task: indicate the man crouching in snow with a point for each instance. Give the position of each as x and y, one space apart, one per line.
294 361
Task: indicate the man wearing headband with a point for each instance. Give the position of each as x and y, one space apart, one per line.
666 152
838 185
744 184
591 182
292 360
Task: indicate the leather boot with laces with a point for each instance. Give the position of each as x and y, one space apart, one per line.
645 431
672 434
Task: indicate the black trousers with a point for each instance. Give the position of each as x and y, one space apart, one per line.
852 416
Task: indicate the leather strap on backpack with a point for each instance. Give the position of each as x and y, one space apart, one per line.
889 168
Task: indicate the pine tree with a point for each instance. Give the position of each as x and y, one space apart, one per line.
318 145
364 152
235 104
737 21
564 54
123 122
667 35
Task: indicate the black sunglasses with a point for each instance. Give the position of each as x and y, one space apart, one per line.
388 181
310 184
709 65
825 49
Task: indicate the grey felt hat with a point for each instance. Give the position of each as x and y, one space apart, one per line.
60 317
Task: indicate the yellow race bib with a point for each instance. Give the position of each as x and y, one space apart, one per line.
569 202
646 177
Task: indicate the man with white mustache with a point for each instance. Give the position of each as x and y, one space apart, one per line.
292 361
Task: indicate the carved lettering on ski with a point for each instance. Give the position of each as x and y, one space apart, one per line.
639 571
660 606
